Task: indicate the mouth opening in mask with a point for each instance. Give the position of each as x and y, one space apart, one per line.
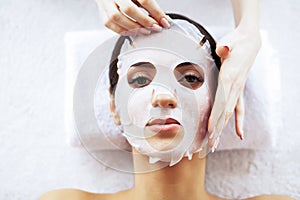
164 133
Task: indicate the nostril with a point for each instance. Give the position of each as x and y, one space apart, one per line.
173 104
155 104
164 101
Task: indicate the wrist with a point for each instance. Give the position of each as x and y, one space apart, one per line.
246 14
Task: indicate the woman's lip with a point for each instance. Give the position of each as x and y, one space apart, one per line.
165 128
160 125
162 121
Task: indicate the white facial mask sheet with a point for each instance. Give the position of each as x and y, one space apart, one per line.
134 104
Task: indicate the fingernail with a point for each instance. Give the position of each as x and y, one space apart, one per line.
223 52
156 27
242 135
227 48
144 31
225 45
165 23
170 20
216 144
213 149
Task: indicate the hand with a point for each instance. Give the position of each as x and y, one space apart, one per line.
127 18
237 51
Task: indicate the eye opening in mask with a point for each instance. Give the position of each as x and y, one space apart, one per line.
189 75
140 74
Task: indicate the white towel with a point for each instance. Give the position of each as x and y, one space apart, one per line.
261 96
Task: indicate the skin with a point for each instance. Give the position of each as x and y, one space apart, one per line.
238 51
185 180
124 16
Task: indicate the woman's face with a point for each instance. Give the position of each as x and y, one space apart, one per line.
163 132
163 101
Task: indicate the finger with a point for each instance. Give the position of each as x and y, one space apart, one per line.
226 78
116 28
235 93
223 51
239 117
125 22
231 78
109 12
217 116
155 11
222 121
228 91
130 27
214 147
134 12
221 96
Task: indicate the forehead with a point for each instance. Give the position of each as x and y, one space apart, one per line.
155 56
168 40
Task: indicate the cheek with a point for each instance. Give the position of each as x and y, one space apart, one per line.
202 101
205 106
139 104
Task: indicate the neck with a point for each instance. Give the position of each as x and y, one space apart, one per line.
185 180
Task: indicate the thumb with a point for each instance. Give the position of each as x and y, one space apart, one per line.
223 51
225 45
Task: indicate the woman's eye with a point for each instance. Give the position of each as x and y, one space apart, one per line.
140 74
189 75
140 81
191 81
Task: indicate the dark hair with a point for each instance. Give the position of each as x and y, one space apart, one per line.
113 75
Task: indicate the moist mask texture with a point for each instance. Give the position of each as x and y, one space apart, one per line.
165 51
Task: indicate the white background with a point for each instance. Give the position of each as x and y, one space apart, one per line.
34 155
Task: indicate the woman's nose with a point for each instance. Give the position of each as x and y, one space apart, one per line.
164 101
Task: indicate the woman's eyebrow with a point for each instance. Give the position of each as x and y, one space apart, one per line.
190 66
186 64
142 64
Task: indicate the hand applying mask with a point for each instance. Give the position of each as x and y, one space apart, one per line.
126 17
237 51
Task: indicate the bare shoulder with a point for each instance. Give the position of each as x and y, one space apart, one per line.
74 194
271 197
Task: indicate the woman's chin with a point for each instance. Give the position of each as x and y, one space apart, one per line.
164 138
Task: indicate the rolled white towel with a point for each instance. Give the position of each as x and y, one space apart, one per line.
261 96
